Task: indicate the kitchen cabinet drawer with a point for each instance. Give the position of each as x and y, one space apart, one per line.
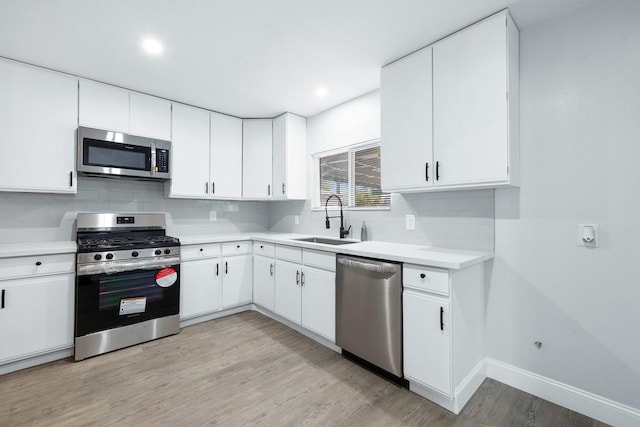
426 279
236 248
289 253
264 249
208 250
36 266
321 259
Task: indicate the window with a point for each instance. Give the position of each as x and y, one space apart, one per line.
353 173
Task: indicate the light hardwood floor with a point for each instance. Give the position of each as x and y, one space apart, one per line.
244 369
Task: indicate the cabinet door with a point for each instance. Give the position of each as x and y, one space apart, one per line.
288 290
263 282
38 121
237 281
103 107
256 158
149 116
406 123
289 157
470 104
426 341
226 156
319 302
200 287
37 316
189 152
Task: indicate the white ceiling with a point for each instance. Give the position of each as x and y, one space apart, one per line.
248 58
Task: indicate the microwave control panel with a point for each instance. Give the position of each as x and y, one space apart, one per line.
162 160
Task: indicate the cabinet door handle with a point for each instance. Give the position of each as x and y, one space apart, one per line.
226 267
206 187
437 171
213 187
71 179
271 270
442 318
269 190
302 279
217 269
2 303
297 277
426 171
283 188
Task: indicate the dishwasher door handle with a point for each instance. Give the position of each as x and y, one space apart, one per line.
368 266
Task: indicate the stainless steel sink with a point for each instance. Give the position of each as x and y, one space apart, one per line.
325 241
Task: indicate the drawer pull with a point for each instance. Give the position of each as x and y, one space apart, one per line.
38 263
261 246
201 249
238 246
422 275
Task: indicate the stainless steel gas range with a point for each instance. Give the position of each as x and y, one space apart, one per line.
128 282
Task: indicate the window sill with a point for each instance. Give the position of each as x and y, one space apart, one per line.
345 209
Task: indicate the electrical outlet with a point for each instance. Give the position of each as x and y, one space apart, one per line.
213 215
296 219
410 222
589 235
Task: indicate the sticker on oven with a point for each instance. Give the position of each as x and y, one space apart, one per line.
133 305
166 277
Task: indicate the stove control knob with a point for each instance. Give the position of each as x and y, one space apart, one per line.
167 251
158 252
97 257
109 256
134 254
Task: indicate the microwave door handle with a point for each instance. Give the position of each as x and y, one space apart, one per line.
153 160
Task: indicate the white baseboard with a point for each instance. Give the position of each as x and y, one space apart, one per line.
36 360
592 405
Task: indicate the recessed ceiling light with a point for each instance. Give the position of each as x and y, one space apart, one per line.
321 91
152 46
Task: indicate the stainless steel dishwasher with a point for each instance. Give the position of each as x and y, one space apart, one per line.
369 311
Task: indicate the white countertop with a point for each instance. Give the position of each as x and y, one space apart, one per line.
414 254
10 250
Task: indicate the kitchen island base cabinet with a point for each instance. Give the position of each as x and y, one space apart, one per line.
443 333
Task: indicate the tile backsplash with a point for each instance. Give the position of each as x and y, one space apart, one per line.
31 217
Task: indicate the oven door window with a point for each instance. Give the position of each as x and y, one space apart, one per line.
116 155
105 301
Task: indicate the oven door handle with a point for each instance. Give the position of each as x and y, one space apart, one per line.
122 266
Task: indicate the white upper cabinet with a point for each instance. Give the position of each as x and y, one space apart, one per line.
189 153
103 107
450 112
289 157
472 71
149 116
226 156
38 121
257 140
407 125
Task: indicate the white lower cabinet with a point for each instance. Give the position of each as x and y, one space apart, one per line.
426 340
305 294
443 325
200 287
264 281
36 311
236 281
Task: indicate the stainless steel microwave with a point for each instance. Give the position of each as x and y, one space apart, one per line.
103 152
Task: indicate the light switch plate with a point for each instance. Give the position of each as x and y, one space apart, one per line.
596 236
410 222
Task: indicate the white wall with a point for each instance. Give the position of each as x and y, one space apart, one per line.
580 163
455 219
31 217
